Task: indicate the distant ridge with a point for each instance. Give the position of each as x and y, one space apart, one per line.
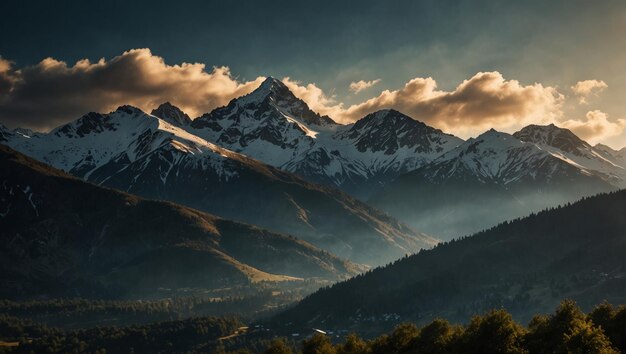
487 180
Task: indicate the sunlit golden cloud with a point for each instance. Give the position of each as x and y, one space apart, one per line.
314 97
361 85
588 88
52 92
481 102
595 127
7 78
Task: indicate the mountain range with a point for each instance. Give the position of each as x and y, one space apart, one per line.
496 177
267 159
66 237
145 155
273 126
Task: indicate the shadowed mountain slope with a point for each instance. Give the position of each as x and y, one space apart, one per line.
63 236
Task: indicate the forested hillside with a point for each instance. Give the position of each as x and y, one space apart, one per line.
526 266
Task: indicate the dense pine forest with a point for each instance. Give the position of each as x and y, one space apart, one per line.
526 266
567 330
169 336
72 314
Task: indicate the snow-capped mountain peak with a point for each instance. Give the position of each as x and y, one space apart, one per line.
493 139
171 114
606 148
269 124
269 89
564 144
364 156
389 130
274 87
273 93
388 116
499 158
5 133
551 135
491 156
611 153
126 134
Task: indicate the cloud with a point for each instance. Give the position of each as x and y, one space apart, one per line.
7 78
481 102
585 89
314 97
50 93
361 85
595 127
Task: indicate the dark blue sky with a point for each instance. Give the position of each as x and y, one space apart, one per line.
321 41
333 43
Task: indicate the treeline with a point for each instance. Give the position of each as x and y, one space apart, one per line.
84 313
165 337
567 330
